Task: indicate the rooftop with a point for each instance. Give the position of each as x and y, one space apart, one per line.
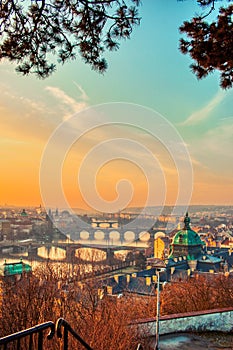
17 268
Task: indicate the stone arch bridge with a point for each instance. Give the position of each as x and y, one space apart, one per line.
71 249
109 235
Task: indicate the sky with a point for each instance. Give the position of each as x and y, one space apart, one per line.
147 132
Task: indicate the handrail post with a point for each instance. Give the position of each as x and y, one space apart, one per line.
18 344
67 328
159 269
65 338
157 316
40 340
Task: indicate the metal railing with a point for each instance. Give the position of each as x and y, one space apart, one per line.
34 337
28 337
68 329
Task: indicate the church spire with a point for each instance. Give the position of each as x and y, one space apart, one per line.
186 222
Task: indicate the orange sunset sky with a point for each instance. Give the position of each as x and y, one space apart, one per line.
145 72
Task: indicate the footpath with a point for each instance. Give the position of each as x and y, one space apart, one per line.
184 341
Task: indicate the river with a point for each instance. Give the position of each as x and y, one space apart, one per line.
56 255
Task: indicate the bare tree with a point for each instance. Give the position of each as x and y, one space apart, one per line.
198 293
103 323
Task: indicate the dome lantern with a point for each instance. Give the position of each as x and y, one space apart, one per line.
187 222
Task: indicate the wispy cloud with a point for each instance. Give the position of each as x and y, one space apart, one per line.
226 119
211 151
72 105
16 98
198 163
219 140
83 93
203 113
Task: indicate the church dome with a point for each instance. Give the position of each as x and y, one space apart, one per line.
186 242
187 236
24 213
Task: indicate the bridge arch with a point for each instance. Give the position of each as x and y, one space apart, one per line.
144 236
129 236
159 234
84 234
99 235
52 253
93 254
114 236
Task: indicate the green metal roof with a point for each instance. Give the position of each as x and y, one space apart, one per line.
187 236
11 269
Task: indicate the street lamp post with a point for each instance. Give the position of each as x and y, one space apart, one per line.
157 311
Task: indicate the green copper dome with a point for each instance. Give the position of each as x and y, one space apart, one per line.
23 213
186 242
187 236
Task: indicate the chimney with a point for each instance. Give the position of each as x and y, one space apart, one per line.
172 270
116 278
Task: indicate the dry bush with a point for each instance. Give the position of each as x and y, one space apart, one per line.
38 298
197 293
103 323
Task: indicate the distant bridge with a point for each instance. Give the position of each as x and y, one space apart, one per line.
8 250
110 234
108 240
107 235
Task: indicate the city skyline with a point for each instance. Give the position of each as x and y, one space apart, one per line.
148 70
